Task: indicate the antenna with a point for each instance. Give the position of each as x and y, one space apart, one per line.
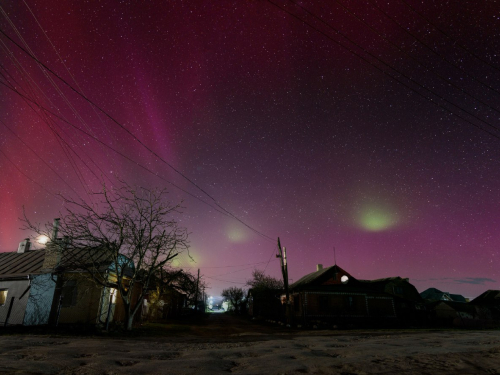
334 256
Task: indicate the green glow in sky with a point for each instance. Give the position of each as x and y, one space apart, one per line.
235 233
375 218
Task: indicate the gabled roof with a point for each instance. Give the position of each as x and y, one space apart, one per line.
489 298
15 264
315 278
433 294
457 306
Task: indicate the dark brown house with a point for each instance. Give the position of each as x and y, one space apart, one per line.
333 295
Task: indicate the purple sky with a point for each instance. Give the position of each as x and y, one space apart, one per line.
301 131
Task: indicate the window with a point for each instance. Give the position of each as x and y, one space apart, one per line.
3 296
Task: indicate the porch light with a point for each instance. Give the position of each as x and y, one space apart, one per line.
42 240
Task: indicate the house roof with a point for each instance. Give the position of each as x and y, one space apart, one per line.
15 264
490 297
315 276
434 294
457 306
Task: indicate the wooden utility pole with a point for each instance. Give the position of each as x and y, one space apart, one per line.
284 272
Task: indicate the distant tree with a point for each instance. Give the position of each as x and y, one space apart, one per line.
182 281
134 231
261 281
236 297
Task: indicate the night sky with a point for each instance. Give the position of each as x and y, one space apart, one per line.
369 126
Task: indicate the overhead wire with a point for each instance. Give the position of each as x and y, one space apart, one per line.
58 139
134 136
237 265
386 73
455 41
66 148
118 152
225 281
38 156
31 82
432 49
70 74
426 66
28 177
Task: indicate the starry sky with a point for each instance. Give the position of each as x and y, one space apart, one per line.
371 127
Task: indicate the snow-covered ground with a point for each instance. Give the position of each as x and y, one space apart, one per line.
319 352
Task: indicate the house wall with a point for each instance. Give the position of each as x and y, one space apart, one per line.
19 290
40 299
87 300
324 304
340 304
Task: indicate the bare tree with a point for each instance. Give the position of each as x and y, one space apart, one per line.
236 296
261 281
121 241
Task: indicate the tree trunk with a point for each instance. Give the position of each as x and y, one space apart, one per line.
129 318
129 322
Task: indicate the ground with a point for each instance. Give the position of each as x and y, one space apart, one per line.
222 343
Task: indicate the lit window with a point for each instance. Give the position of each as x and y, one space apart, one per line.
113 291
344 279
3 296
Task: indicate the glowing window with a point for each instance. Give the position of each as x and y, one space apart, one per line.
3 296
344 279
113 295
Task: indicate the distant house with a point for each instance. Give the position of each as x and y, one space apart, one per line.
433 294
452 313
488 307
332 294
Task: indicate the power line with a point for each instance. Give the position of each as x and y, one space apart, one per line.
427 67
28 177
134 137
237 265
226 281
38 156
386 73
432 50
116 151
455 42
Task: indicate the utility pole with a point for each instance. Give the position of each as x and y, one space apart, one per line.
284 272
196 294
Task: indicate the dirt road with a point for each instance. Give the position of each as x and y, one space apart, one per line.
225 344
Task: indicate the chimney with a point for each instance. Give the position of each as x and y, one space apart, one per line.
24 246
55 229
319 267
